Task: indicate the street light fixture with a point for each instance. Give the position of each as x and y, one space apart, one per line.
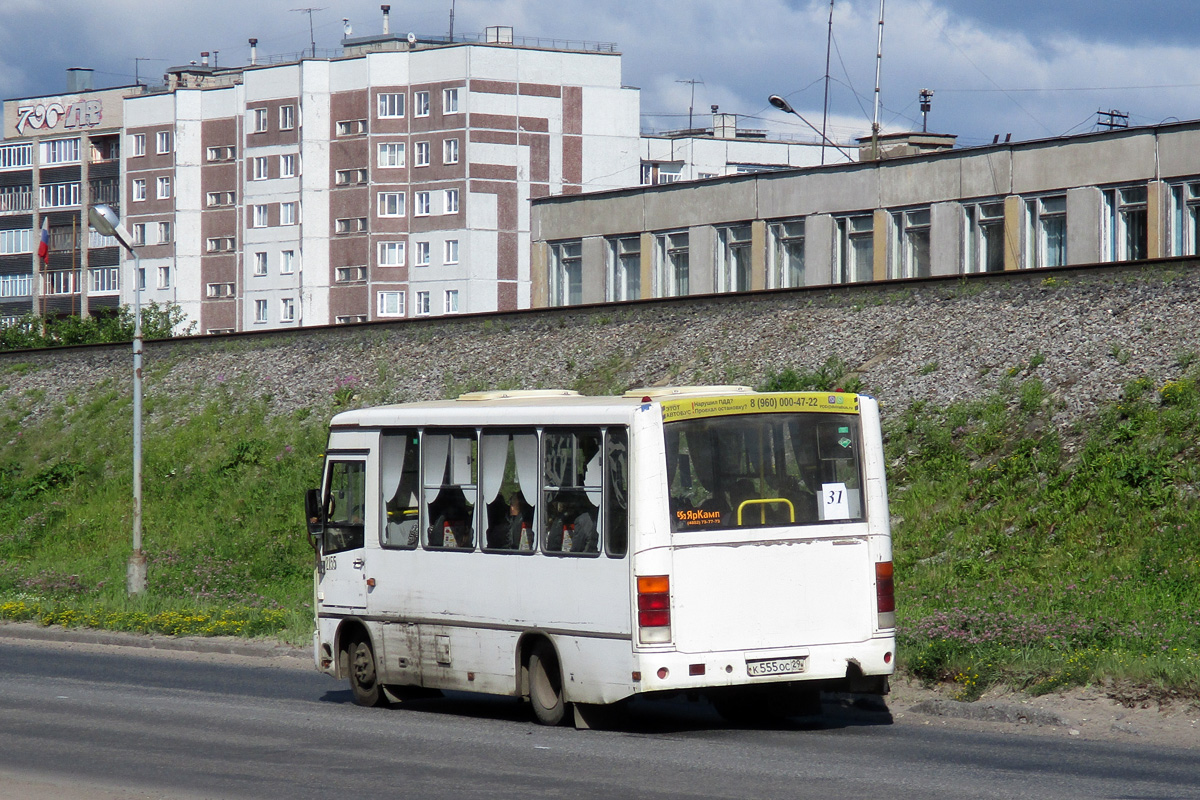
107 223
786 107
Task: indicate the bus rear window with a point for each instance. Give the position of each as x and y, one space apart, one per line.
764 470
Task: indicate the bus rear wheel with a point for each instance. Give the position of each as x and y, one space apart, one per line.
364 680
545 685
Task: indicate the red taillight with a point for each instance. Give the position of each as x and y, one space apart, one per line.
654 608
885 594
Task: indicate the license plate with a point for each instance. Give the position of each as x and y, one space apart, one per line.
775 666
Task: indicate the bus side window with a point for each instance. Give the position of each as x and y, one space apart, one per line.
345 505
400 481
616 492
508 481
450 490
572 484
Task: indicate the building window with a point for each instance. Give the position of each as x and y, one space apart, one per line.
105 280
221 153
1125 224
421 104
16 241
422 154
421 204
450 301
350 225
787 252
141 279
260 264
350 177
220 290
733 272
260 310
163 140
422 304
910 254
984 246
422 256
220 244
391 254
287 165
351 127
391 204
624 269
261 218
139 189
391 154
450 201
287 118
673 272
450 151
215 199
60 151
390 304
1047 232
1185 219
139 233
260 168
449 101
137 144
260 120
287 309
391 104
566 273
164 188
350 274
450 252
855 249
287 213
58 195
22 285
164 277
287 262
165 232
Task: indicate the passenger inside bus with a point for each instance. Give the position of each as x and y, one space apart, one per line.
506 521
451 515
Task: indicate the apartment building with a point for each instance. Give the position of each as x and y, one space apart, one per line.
923 209
392 180
58 154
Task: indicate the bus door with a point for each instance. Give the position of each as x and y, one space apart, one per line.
341 583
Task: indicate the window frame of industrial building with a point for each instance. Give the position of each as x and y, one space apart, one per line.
910 252
785 247
1046 231
735 262
855 263
672 263
566 272
624 257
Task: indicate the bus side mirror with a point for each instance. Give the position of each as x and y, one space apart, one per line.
312 514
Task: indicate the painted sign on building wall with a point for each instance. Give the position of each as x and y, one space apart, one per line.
50 116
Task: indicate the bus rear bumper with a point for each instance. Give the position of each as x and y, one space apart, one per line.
858 667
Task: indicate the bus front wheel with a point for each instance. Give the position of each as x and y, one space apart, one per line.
545 685
364 680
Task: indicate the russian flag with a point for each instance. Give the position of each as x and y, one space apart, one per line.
44 244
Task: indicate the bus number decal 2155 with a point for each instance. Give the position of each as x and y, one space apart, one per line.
330 563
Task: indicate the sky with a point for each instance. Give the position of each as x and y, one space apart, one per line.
1030 68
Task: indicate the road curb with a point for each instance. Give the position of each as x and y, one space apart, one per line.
224 645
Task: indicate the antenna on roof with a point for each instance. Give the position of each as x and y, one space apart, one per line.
312 39
452 21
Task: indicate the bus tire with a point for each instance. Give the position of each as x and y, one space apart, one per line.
545 685
364 679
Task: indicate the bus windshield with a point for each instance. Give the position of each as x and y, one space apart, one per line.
764 470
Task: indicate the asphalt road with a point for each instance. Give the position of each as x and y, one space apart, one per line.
86 721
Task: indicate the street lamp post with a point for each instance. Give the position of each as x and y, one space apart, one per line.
786 107
107 223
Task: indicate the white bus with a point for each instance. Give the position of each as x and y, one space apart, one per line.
577 551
